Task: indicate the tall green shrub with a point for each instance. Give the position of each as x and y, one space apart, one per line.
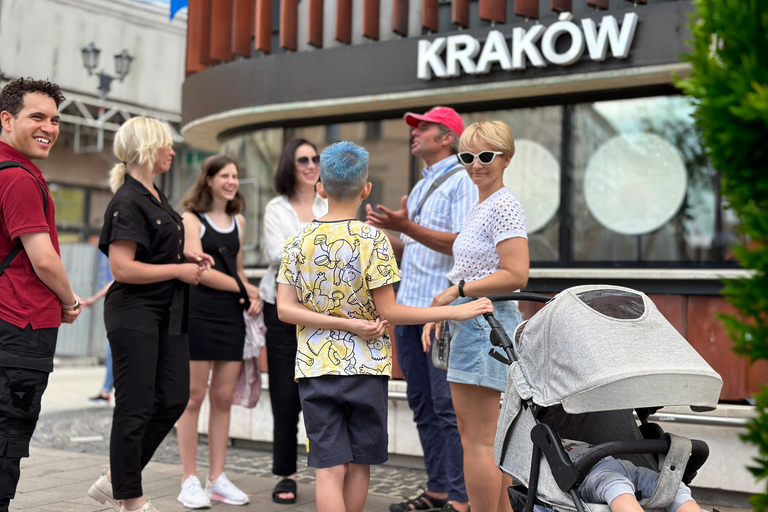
729 82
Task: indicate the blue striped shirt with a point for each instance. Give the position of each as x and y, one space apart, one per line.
424 270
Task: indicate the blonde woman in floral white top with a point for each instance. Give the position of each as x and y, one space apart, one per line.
490 256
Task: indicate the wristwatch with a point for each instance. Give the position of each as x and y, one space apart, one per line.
461 288
72 307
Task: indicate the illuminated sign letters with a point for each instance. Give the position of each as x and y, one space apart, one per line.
453 55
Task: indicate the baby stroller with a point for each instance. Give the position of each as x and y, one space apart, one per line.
580 369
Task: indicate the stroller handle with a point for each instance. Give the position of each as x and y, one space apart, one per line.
530 296
499 336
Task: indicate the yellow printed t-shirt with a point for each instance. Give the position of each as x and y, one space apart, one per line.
334 266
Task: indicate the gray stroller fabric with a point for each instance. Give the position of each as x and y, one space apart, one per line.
571 354
574 356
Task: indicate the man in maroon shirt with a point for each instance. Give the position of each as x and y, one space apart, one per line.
35 295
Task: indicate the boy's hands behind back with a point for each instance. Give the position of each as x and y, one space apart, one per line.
369 330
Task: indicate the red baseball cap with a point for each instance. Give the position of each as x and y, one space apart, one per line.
440 115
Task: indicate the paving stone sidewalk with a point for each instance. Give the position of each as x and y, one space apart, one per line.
70 448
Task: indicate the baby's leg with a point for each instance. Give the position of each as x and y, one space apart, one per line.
608 481
356 486
647 480
625 503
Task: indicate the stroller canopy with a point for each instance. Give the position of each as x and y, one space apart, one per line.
604 347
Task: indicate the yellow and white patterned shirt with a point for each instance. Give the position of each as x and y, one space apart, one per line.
334 266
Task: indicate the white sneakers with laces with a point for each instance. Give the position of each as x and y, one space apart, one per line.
225 491
192 494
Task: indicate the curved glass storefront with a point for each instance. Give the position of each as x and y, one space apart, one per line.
606 183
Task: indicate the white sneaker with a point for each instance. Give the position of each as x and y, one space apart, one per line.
225 491
147 507
101 491
192 494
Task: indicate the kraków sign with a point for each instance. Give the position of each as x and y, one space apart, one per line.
534 45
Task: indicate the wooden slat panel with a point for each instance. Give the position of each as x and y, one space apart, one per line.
289 24
560 5
243 26
371 19
460 13
494 10
429 18
316 23
675 310
195 27
263 39
707 335
344 21
400 17
598 4
527 9
205 36
221 30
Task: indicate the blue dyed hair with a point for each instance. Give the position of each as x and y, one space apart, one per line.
343 170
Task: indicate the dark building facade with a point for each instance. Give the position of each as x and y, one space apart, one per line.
609 166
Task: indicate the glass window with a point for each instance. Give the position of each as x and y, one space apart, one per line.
643 189
534 174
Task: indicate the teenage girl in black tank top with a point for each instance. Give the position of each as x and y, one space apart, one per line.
217 330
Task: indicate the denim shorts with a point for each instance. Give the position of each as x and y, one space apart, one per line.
469 362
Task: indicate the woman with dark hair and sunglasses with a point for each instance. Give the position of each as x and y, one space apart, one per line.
213 219
490 256
296 206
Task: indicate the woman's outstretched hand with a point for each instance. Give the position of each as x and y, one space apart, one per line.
446 296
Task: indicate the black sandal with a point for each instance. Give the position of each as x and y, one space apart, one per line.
423 502
285 485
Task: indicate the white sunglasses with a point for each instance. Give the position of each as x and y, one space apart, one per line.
485 157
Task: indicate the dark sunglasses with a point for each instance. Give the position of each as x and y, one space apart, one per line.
304 160
485 157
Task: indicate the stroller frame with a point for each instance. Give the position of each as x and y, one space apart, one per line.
546 441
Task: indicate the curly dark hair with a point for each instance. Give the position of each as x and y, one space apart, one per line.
12 95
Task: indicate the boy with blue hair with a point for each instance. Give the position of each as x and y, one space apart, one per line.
335 284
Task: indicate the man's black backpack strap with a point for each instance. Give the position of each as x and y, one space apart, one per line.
18 247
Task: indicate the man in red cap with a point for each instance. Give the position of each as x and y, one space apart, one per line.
429 221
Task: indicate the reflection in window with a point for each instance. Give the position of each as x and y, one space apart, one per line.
643 188
534 173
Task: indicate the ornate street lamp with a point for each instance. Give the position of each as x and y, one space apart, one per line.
91 62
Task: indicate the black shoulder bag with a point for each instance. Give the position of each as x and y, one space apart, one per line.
18 247
224 252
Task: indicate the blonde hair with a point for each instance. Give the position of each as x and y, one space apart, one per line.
495 134
137 142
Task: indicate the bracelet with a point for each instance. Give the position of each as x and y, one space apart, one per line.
73 307
461 288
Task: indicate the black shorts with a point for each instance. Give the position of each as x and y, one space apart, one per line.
345 418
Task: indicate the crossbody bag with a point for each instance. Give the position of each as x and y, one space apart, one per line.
435 184
19 247
224 252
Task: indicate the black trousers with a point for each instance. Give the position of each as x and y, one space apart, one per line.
151 392
283 391
26 360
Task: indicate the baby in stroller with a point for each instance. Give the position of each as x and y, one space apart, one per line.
583 368
620 484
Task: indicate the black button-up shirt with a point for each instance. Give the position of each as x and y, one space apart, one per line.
134 214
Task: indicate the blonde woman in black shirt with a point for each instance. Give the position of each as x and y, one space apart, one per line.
145 310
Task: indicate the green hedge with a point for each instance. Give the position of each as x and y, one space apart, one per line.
729 83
